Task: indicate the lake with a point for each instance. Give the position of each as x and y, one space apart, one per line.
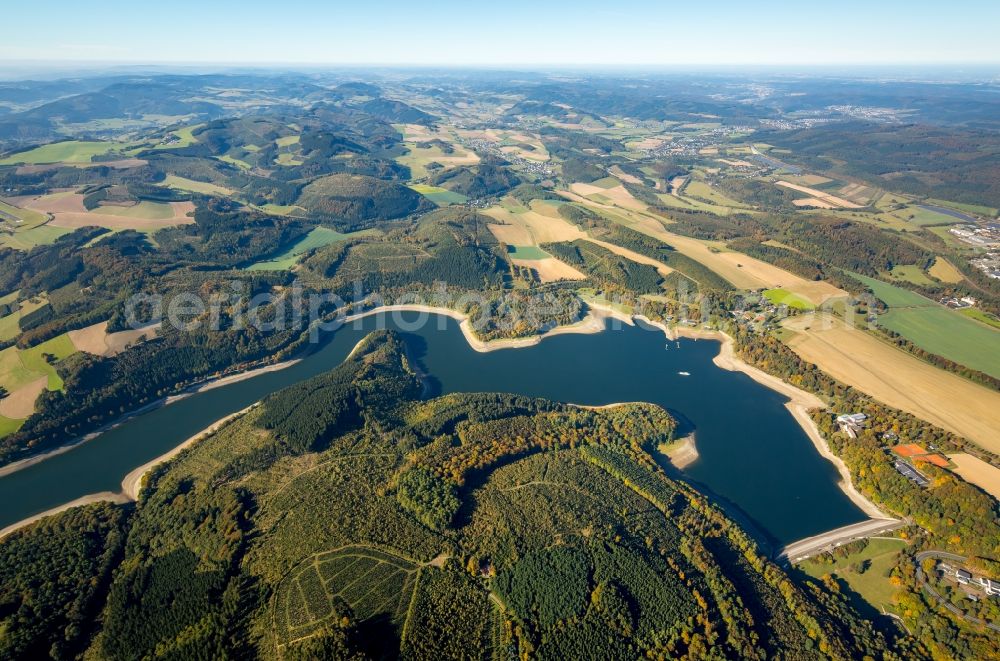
753 456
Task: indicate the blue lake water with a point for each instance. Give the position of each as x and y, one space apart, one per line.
753 456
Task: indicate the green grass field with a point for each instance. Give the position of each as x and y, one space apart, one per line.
286 158
182 183
967 208
923 217
13 373
70 151
243 165
784 297
527 252
284 209
317 238
60 347
36 236
702 190
28 217
980 316
186 136
9 328
873 584
439 196
910 273
9 426
937 329
145 209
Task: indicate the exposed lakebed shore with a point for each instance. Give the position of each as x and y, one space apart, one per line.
597 321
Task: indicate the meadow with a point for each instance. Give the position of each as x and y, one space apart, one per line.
70 151
937 329
891 375
317 238
439 196
182 183
781 296
872 584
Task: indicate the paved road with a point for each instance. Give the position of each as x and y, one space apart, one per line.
810 546
922 581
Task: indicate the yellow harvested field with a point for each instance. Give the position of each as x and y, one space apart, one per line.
74 220
531 228
820 195
537 226
551 269
735 164
624 176
21 403
617 194
64 202
647 143
976 471
97 341
944 271
892 376
743 271
808 179
814 202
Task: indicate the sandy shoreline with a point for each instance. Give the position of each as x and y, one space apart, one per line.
799 405
593 322
683 453
21 464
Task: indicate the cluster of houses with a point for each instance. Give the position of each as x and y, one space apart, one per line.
958 303
983 236
988 264
851 423
904 456
964 577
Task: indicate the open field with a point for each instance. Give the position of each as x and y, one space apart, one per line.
421 154
144 217
185 137
542 224
36 236
897 378
9 328
743 271
701 189
873 584
615 193
910 273
182 183
980 316
943 270
976 471
21 218
317 238
550 269
937 329
916 215
819 195
97 341
808 179
527 252
989 212
439 196
20 404
781 296
70 151
144 210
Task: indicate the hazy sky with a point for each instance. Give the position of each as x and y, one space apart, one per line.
509 32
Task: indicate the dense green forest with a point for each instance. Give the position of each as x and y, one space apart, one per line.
346 516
